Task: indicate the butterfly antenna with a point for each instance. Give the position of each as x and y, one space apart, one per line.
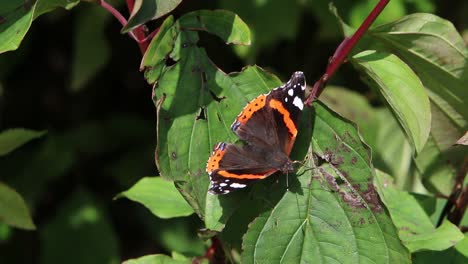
287 181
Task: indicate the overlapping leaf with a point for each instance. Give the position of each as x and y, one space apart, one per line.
197 103
433 48
403 91
159 196
146 10
414 225
16 17
334 213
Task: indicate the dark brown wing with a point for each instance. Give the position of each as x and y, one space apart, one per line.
232 167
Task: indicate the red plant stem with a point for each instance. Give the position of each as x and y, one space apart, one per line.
140 31
343 50
117 15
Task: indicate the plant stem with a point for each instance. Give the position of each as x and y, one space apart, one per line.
343 50
140 31
117 15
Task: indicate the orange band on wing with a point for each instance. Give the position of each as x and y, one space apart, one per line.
251 108
215 158
275 104
245 176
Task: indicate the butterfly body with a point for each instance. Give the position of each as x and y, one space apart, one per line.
268 126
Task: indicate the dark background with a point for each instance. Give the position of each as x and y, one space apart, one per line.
101 138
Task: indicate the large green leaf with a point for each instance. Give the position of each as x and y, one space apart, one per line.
159 196
13 209
196 102
333 212
403 91
415 227
146 10
16 17
79 227
453 255
14 138
433 48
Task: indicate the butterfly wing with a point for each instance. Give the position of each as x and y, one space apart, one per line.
271 120
232 167
268 125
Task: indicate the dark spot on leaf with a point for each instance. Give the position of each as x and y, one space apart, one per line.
2 20
201 114
353 160
216 98
372 198
337 160
219 117
169 61
173 155
362 221
330 180
344 147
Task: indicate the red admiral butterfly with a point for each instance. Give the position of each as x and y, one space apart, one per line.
268 125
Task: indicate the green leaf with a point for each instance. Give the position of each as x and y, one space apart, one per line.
453 255
331 212
225 24
14 138
17 15
13 209
78 222
157 259
403 91
260 16
45 6
433 48
159 196
196 102
146 10
415 227
91 48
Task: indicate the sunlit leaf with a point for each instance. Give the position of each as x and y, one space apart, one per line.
159 196
16 17
13 209
414 226
146 10
433 48
332 212
402 89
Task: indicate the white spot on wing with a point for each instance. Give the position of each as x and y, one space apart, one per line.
223 184
303 87
291 92
286 99
237 185
298 103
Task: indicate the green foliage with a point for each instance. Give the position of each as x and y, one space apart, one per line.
14 138
144 11
13 210
403 91
161 197
408 120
